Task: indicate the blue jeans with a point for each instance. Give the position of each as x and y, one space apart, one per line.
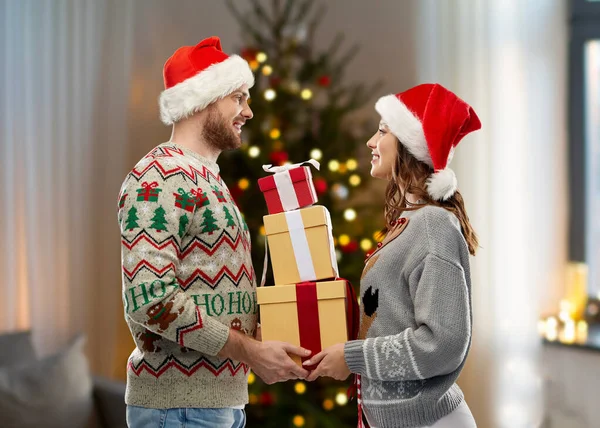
142 417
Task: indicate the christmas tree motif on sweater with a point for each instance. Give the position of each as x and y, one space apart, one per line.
183 222
159 221
229 218
219 194
184 200
201 198
132 219
209 225
148 192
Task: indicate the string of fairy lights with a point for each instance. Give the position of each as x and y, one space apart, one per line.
347 170
349 166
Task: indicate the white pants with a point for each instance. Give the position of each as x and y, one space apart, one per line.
461 417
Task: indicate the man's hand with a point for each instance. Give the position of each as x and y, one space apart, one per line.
271 361
330 362
268 360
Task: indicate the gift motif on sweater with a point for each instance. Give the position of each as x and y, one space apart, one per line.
185 200
200 197
219 194
148 192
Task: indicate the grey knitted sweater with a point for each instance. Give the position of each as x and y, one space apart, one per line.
415 322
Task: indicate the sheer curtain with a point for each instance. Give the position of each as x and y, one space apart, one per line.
64 85
508 59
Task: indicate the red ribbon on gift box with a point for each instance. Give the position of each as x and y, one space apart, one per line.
308 316
301 178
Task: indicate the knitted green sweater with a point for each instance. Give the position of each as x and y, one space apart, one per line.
416 323
187 279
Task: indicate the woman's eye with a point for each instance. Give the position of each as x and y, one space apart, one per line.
381 131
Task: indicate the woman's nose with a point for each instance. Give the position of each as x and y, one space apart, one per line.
372 143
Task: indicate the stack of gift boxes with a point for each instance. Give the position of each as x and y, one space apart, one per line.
308 304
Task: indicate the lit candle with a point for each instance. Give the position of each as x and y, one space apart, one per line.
577 274
551 329
565 310
541 327
582 331
568 332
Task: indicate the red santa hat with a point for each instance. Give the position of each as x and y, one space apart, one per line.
429 120
196 76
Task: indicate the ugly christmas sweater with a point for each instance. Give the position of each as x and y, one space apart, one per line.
187 279
415 329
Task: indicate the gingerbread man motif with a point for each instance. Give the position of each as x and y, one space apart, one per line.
236 324
148 339
161 314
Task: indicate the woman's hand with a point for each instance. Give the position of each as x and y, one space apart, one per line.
330 362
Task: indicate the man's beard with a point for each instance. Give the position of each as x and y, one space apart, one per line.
219 133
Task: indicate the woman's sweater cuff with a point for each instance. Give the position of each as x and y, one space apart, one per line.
354 356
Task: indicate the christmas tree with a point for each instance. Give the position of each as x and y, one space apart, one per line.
132 219
229 217
302 110
159 221
183 221
210 222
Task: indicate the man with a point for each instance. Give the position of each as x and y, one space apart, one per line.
188 282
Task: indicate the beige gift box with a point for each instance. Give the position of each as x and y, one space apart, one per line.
301 245
284 318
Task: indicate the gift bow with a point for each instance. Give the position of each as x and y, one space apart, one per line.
150 186
282 168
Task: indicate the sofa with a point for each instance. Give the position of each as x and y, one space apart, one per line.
55 391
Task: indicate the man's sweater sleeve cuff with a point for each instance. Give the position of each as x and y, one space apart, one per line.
354 356
213 338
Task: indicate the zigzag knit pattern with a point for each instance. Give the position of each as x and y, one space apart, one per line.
187 279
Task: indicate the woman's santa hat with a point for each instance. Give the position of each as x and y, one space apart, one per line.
197 76
429 120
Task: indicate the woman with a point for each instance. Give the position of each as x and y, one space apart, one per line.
416 317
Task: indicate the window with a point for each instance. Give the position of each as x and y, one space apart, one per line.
584 132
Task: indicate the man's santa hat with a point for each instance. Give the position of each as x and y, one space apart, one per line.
430 121
196 76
